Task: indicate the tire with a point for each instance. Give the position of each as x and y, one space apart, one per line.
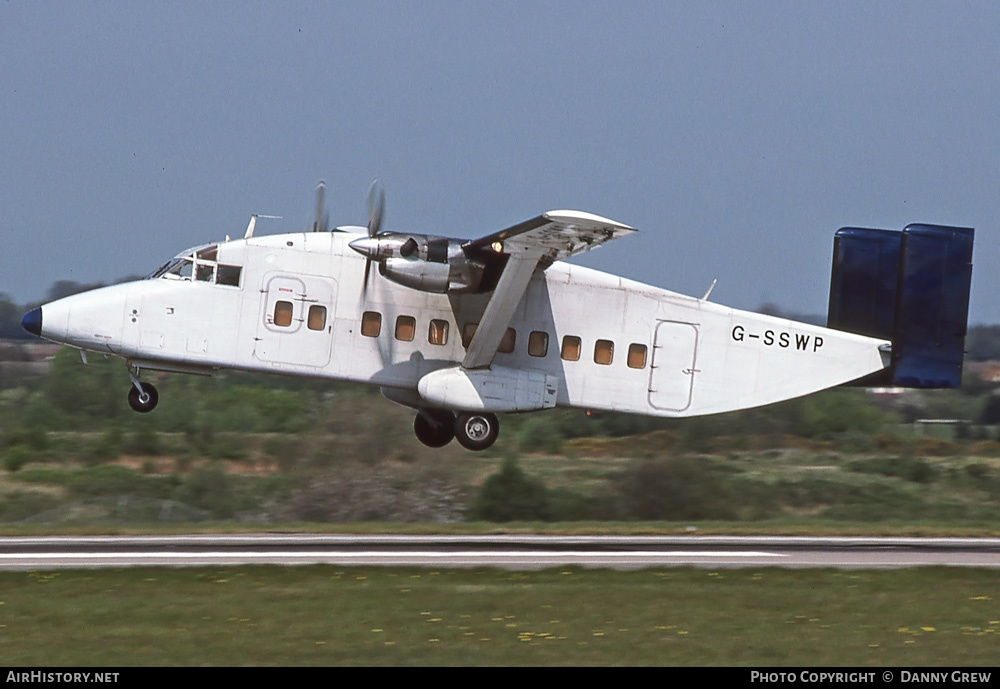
140 405
477 431
434 427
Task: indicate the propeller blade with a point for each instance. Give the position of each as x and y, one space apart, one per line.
320 223
376 207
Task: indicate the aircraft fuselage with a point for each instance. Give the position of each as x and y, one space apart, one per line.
298 304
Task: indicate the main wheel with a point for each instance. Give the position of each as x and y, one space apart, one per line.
477 431
434 427
144 402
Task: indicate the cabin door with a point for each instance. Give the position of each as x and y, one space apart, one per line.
671 377
295 325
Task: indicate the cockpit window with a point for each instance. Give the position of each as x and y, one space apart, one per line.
204 272
228 275
164 269
200 264
182 269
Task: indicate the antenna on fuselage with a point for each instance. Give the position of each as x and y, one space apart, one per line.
253 224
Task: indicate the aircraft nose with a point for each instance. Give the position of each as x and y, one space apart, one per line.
32 321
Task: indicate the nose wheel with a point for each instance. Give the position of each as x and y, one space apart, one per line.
143 398
476 431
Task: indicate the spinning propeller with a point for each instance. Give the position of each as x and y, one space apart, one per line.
322 221
418 261
376 209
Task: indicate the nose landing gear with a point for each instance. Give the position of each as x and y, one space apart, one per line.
144 401
142 397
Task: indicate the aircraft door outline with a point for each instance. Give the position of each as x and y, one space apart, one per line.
672 369
287 334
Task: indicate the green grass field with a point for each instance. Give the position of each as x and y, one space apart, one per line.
246 454
322 615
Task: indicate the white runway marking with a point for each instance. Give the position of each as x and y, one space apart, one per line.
357 555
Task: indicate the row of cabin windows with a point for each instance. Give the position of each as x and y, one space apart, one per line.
538 340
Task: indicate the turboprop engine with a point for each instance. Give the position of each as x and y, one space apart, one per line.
426 263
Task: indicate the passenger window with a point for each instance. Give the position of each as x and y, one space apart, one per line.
570 348
371 323
437 334
538 343
228 275
636 356
604 351
283 314
317 317
507 342
406 326
468 332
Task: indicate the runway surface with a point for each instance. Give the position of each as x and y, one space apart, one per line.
508 552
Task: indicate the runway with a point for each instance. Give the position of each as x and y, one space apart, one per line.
500 551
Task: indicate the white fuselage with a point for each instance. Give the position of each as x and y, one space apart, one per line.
582 338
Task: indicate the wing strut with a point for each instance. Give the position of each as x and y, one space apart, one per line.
500 309
533 244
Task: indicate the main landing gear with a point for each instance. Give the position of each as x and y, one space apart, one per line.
473 430
434 427
142 397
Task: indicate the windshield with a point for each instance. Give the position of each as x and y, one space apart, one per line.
165 268
200 265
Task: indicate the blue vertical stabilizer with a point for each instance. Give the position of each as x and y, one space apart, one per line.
910 287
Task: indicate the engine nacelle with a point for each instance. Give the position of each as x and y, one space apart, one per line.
425 263
417 274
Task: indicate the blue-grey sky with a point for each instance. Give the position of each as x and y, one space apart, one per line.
736 136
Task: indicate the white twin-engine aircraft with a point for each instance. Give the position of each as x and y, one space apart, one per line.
460 330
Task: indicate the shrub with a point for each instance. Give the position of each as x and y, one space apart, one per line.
15 457
511 495
105 448
676 488
906 468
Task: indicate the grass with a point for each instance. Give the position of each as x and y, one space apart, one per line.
789 527
321 615
763 490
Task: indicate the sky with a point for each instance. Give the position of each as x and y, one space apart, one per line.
737 137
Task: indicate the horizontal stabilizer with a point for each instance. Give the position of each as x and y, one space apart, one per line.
910 287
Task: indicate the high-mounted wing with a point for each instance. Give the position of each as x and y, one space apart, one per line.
556 235
534 244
